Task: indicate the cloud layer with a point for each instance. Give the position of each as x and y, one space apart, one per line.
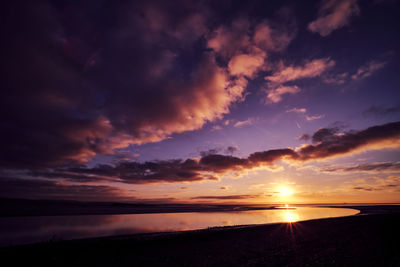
327 142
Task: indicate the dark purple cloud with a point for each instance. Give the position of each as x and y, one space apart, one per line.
44 189
388 183
65 175
367 167
228 197
363 188
330 143
377 188
304 137
324 134
269 156
231 149
219 163
380 111
211 151
87 78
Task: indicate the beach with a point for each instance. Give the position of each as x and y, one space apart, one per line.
369 239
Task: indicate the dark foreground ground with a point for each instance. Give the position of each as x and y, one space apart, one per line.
363 240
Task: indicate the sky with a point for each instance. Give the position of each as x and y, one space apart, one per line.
201 101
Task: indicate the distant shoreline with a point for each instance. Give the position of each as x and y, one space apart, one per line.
24 207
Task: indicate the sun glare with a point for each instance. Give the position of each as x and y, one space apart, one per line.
285 191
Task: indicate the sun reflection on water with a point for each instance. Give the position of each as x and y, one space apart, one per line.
290 216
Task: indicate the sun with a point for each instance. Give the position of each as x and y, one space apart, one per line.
285 191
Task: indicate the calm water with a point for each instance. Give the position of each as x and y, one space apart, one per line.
22 230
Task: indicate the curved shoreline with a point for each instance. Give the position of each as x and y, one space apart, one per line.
363 210
150 235
126 226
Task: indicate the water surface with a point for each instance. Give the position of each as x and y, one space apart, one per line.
23 230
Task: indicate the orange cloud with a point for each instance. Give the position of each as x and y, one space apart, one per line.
271 39
303 111
245 49
315 117
249 121
296 110
274 95
368 69
276 81
333 14
311 69
229 40
246 64
207 98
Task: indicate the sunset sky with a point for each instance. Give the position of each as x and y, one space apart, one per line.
201 101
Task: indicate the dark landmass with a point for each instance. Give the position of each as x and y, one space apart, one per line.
25 207
372 209
372 239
